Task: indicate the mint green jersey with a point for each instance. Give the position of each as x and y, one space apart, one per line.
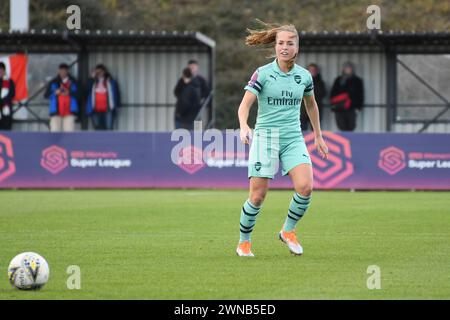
280 96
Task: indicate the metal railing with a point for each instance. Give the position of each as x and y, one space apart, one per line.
434 91
39 108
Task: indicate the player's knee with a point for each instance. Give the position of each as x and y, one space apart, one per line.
304 189
257 198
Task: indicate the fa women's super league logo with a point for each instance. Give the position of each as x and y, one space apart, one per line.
54 159
7 165
338 167
392 160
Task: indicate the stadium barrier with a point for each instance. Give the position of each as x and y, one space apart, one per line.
190 160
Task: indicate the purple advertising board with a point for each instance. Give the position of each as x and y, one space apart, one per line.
157 160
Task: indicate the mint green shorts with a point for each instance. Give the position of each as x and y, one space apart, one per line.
267 151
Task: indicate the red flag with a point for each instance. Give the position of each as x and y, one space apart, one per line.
16 69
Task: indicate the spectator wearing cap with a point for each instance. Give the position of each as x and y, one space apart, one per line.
62 91
7 93
103 98
347 97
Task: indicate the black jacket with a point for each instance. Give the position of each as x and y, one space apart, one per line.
319 90
198 81
354 87
319 94
188 103
179 88
7 100
201 85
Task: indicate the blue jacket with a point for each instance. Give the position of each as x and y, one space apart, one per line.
113 95
50 94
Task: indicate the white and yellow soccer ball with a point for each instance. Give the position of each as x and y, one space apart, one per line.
28 271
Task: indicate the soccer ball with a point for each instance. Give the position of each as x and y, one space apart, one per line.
28 271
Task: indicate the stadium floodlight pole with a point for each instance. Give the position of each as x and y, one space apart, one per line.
391 87
211 44
19 15
391 76
213 83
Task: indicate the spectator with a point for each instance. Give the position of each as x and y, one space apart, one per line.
7 93
319 94
63 93
103 98
347 97
199 82
188 103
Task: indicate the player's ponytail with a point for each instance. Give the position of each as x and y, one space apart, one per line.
267 36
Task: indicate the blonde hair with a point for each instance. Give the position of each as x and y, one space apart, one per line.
267 36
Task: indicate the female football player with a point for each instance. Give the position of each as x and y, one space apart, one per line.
279 87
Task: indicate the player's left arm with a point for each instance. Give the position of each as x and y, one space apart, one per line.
313 113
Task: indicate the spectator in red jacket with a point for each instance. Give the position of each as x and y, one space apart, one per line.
63 93
347 97
103 98
7 93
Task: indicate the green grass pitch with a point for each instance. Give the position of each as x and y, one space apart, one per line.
163 244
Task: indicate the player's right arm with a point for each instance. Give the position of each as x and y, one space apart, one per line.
244 109
252 90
